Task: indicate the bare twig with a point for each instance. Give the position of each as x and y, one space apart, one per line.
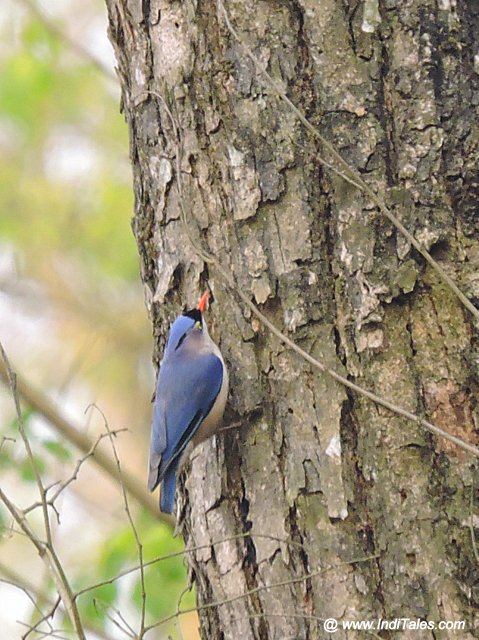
50 558
13 579
127 630
46 549
345 171
230 427
6 439
183 552
228 278
186 590
45 618
45 407
266 587
61 486
138 543
76 46
53 633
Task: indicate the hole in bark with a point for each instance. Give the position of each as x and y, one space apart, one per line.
177 278
244 514
339 350
439 250
367 536
409 328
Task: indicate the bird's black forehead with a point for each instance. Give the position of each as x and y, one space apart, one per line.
194 314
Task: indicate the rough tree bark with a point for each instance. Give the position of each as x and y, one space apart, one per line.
328 475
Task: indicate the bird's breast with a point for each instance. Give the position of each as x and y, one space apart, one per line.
214 419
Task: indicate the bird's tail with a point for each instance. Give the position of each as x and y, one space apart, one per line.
168 490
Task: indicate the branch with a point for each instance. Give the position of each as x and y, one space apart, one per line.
266 587
36 596
50 559
138 543
15 580
38 401
61 486
126 628
228 278
76 46
193 549
346 172
46 549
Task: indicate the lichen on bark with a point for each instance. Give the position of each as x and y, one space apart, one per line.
327 477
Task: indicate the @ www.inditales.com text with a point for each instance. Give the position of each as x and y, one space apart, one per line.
395 624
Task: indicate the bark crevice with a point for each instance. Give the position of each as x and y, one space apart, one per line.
313 464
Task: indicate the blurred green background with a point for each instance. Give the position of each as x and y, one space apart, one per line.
72 318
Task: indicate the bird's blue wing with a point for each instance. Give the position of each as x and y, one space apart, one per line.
187 389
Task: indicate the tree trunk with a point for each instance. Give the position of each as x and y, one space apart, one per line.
354 513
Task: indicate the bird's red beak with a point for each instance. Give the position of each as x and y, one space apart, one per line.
203 302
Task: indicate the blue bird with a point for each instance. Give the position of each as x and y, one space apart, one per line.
190 399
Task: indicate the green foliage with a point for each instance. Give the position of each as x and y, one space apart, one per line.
14 456
95 609
164 562
164 580
65 207
66 201
165 573
59 450
27 414
27 471
43 104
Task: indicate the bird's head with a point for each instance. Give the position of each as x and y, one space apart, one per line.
190 323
